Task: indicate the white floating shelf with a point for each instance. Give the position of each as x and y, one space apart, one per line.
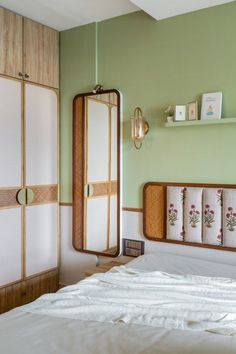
187 123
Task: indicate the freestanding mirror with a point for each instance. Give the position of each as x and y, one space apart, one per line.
96 173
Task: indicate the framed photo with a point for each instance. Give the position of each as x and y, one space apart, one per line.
192 111
211 105
180 113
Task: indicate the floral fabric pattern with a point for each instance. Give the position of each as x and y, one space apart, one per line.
175 197
229 217
209 216
202 215
193 215
212 216
172 215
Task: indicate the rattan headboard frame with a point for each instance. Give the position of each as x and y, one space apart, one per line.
154 212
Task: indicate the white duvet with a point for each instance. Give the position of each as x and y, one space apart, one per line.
154 299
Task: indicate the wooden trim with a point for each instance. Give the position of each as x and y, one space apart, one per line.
79 128
66 204
21 292
85 177
78 172
30 277
135 210
23 172
176 184
109 177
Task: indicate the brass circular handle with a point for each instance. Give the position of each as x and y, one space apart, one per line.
21 196
29 196
27 76
25 196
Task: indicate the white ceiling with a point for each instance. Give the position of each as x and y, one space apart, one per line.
160 9
64 14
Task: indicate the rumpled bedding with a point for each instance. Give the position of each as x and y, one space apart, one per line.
157 299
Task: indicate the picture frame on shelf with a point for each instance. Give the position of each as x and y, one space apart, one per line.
192 111
211 105
180 113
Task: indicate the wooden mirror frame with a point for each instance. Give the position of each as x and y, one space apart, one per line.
79 168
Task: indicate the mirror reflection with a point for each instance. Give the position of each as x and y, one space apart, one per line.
101 206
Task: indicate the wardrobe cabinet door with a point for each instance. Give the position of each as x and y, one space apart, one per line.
10 43
41 54
41 134
41 238
10 133
41 176
10 250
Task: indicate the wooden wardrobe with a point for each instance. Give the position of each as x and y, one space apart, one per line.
29 212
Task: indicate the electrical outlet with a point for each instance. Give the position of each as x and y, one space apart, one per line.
133 248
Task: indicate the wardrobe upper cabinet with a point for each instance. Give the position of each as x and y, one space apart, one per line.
41 54
10 43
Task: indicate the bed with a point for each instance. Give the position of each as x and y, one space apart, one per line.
57 323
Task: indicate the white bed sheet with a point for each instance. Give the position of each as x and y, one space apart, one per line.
182 265
23 333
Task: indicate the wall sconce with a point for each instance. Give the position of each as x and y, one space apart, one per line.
139 128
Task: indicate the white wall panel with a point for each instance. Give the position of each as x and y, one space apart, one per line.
73 263
113 221
98 142
10 250
41 238
114 147
41 135
10 132
97 224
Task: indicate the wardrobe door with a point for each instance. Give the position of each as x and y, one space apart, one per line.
11 247
10 181
10 43
41 178
41 238
41 54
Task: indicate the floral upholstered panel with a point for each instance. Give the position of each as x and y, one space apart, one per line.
193 215
229 218
175 196
212 216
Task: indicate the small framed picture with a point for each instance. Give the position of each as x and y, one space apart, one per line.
211 105
192 111
180 113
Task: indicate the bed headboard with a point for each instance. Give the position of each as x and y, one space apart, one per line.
192 214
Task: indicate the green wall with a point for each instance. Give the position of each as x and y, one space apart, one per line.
155 64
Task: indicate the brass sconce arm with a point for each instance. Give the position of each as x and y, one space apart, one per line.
139 128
